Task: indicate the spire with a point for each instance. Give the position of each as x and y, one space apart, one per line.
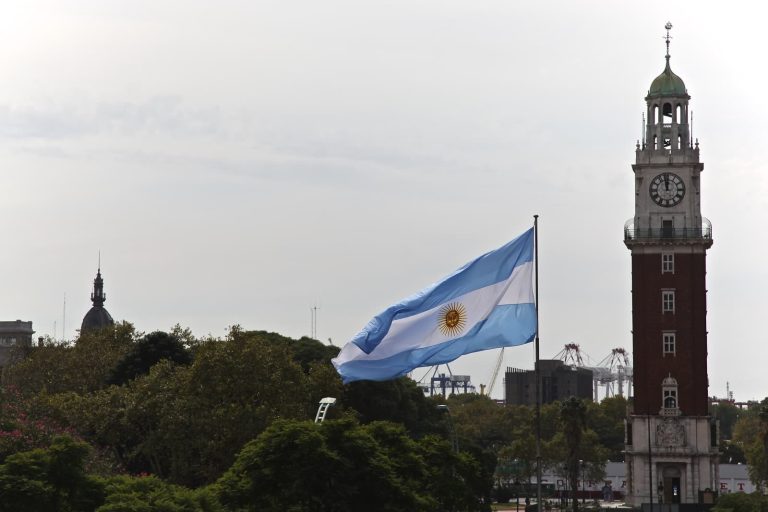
98 297
668 26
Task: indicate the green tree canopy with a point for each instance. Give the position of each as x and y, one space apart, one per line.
80 367
150 494
399 401
187 424
375 465
49 480
606 419
750 434
147 352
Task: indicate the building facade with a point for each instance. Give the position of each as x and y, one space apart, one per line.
14 333
671 442
734 478
558 382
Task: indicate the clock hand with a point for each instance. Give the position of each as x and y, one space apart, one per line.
666 181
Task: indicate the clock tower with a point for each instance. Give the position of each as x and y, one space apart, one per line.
671 443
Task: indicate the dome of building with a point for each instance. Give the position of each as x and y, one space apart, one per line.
97 317
667 84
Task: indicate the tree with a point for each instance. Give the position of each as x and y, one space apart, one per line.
741 502
573 418
147 352
81 367
24 425
279 471
49 480
607 420
375 465
751 435
399 401
482 421
517 461
54 480
728 415
149 493
307 351
187 424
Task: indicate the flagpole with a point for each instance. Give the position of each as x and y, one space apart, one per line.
536 366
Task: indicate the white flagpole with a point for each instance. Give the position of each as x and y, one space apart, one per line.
536 367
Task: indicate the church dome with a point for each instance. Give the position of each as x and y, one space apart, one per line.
96 318
667 84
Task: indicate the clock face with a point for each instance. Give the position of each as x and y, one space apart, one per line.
667 189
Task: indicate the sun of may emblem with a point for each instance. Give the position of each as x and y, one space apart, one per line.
452 318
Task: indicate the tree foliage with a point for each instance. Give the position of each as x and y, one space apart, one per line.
147 352
750 434
741 502
187 424
23 425
399 400
361 465
606 419
55 480
150 494
79 367
49 480
182 409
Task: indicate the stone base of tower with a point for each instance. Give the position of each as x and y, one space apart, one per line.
680 465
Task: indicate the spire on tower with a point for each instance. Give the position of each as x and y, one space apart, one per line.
668 26
97 296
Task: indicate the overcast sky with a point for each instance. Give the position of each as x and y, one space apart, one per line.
239 162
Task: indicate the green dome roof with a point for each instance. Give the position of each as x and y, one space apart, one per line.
667 84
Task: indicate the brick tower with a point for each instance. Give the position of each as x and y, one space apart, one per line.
671 451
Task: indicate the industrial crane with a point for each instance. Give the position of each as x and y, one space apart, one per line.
495 374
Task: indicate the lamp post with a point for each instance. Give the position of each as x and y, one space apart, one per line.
582 464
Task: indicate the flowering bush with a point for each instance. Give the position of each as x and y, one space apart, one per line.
21 428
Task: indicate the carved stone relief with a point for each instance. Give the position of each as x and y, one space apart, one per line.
670 433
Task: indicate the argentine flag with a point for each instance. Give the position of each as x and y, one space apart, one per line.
487 303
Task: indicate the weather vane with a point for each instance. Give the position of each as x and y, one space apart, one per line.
668 26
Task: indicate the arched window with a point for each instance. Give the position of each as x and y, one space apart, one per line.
669 405
655 114
667 112
655 142
679 114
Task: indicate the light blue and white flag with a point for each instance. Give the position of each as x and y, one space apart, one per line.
487 303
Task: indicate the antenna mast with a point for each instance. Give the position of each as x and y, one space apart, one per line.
313 322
